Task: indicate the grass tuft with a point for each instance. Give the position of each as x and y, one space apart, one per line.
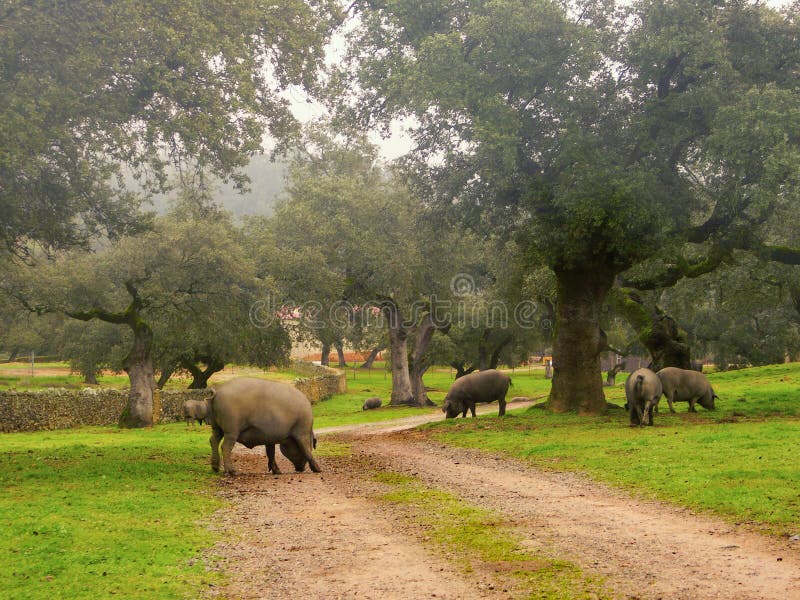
477 540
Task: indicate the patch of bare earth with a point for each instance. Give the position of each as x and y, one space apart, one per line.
327 536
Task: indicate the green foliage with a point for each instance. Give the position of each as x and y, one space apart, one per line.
101 511
92 347
88 86
744 313
599 137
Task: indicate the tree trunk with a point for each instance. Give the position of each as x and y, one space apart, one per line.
324 359
402 393
655 329
200 377
371 358
419 362
495 358
577 381
340 354
611 375
483 351
90 378
139 362
139 367
462 369
166 373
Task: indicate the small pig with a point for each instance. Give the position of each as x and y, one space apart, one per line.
195 410
371 403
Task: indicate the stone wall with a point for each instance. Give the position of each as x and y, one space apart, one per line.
318 382
63 409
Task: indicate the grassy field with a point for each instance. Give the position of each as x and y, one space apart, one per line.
101 511
98 511
739 462
346 408
21 376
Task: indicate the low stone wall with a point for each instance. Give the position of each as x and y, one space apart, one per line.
63 409
318 382
59 409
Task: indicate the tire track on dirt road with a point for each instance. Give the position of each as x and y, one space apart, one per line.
644 549
326 535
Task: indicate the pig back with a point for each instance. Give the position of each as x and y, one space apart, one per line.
650 388
480 386
685 382
265 410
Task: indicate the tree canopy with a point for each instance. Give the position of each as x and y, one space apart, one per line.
94 92
599 136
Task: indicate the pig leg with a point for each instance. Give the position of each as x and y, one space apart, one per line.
214 440
272 466
692 400
648 410
305 445
637 416
502 402
634 419
472 409
228 442
669 401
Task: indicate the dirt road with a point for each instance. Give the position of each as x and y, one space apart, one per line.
327 536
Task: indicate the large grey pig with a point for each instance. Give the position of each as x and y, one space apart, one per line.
482 386
681 385
195 410
255 412
642 390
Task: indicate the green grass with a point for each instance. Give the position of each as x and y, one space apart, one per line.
18 376
97 512
738 462
344 409
477 540
101 511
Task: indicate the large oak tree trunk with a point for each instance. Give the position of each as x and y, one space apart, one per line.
402 393
577 381
139 367
420 362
